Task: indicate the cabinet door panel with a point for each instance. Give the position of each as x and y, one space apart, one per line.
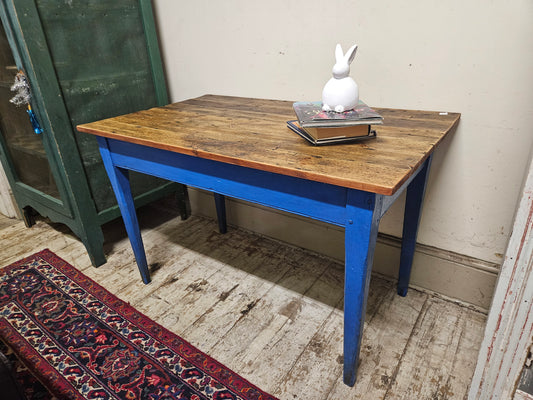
100 56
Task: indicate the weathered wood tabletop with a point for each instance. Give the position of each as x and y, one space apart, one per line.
253 133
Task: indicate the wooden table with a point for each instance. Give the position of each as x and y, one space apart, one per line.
241 147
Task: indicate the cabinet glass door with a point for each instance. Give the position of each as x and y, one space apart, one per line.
25 150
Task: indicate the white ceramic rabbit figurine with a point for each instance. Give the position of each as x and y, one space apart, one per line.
341 92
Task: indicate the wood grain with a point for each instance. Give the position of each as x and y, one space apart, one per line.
253 133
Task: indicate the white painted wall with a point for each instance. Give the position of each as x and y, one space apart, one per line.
7 202
473 57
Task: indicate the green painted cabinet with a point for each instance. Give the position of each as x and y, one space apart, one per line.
84 60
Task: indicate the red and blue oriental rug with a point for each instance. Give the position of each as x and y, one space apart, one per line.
82 342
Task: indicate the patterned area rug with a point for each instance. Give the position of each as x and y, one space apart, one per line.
82 342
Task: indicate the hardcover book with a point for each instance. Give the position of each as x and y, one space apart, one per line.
310 114
330 132
295 127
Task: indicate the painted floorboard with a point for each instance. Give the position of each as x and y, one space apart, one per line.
273 312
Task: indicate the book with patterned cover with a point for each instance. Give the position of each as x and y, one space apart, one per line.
310 114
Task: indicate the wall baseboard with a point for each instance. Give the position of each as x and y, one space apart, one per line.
454 276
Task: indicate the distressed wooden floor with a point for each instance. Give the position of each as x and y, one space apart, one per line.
272 312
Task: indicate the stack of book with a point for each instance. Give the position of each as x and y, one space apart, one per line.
321 127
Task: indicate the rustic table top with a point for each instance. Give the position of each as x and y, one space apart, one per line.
253 133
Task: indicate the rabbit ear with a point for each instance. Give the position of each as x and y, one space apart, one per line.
350 54
339 55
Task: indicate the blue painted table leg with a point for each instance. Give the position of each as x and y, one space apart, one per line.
411 220
361 230
121 186
220 203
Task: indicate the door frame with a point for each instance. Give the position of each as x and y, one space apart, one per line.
509 329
